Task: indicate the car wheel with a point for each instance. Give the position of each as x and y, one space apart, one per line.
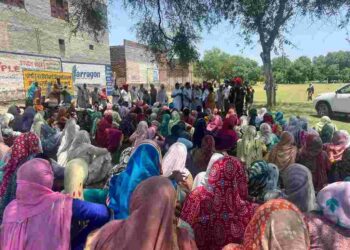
323 109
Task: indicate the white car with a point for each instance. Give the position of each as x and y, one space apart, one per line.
337 102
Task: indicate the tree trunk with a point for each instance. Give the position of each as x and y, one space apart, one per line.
270 86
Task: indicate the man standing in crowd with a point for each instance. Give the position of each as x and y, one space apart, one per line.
237 95
146 97
187 96
141 92
162 97
125 95
310 92
249 98
94 97
220 98
153 94
115 95
205 93
197 97
83 99
177 97
133 94
226 95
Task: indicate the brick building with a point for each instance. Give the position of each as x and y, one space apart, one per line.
35 35
134 63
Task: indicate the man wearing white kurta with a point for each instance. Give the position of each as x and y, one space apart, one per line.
177 97
187 96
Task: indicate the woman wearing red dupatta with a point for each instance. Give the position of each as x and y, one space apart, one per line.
220 213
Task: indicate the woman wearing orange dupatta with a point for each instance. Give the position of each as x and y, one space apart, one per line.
149 226
337 147
284 153
278 224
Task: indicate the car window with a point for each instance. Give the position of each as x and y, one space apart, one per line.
345 90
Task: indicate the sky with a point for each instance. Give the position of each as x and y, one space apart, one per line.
309 39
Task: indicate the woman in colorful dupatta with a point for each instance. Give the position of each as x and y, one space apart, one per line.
267 137
263 179
202 155
215 123
284 153
278 224
144 163
37 207
30 95
250 148
330 229
140 134
341 169
220 213
316 160
148 226
299 189
25 146
337 147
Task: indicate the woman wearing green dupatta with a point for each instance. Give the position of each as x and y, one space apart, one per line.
250 148
164 126
324 121
175 119
267 137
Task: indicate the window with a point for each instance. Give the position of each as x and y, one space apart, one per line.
91 47
17 3
62 47
345 90
59 9
59 3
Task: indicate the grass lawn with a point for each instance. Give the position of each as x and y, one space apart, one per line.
292 100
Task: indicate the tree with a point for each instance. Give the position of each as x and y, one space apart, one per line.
218 65
280 66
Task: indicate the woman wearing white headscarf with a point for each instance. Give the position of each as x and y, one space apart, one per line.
37 123
97 159
202 178
250 148
68 135
140 134
174 162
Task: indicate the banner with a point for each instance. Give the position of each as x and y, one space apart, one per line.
44 78
109 80
89 74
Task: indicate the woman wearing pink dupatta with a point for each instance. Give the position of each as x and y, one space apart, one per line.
149 226
38 219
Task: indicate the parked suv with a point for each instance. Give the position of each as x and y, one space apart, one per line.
337 102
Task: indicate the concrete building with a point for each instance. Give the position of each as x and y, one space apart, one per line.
134 63
35 35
